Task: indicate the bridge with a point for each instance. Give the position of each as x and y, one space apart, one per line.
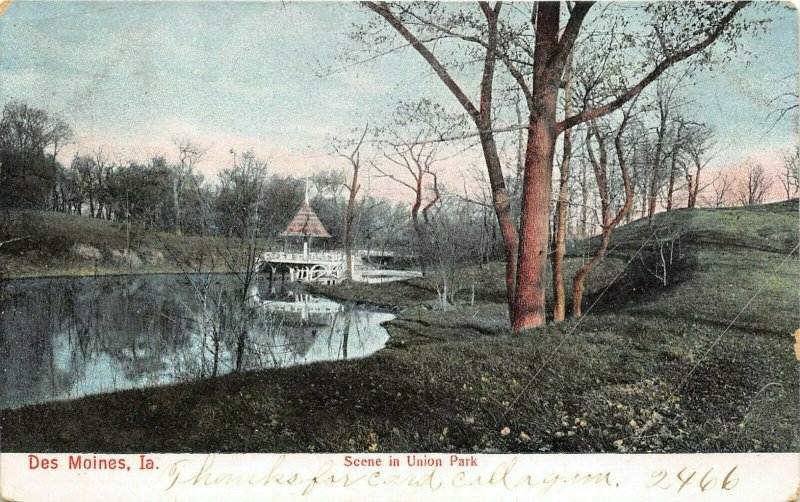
322 267
327 267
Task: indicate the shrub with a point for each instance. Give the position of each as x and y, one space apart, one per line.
86 252
154 257
131 259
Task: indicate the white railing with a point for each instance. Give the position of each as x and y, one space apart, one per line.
329 257
373 252
379 276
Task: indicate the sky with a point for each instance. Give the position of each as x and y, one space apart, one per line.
131 77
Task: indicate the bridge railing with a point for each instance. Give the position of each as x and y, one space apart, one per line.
330 255
310 258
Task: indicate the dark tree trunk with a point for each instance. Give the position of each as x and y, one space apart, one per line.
694 184
500 199
672 174
422 250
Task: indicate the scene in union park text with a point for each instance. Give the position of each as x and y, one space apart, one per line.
478 227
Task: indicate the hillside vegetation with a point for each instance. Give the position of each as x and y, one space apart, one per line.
46 243
692 354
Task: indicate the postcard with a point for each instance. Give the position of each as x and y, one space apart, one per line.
399 251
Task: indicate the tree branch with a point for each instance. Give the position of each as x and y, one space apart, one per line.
653 75
577 16
383 10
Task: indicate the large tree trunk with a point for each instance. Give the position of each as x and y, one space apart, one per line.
562 209
529 304
529 298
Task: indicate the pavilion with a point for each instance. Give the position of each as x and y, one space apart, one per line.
306 225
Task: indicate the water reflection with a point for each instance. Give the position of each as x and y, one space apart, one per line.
70 337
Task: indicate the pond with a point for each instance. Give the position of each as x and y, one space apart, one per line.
64 338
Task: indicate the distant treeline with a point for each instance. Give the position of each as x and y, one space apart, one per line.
245 200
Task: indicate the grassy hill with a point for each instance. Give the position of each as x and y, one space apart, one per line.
56 244
697 359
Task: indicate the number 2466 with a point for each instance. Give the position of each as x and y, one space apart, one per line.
688 478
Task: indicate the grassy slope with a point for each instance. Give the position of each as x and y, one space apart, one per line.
453 380
50 240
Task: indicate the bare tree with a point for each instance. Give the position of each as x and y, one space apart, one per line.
790 176
584 218
785 103
418 163
189 155
241 191
101 169
664 93
354 157
699 145
600 165
675 160
412 163
721 187
659 260
755 187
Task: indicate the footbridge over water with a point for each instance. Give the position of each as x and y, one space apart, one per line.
328 267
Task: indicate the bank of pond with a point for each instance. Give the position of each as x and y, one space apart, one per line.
63 338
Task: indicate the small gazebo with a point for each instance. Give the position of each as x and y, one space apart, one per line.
306 225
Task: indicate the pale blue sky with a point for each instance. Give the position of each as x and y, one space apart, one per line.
131 76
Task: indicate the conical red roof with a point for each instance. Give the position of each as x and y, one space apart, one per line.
305 224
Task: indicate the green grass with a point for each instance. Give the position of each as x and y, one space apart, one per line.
650 368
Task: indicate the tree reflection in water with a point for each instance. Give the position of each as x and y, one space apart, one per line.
71 337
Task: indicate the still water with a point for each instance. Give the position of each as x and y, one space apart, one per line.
69 337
